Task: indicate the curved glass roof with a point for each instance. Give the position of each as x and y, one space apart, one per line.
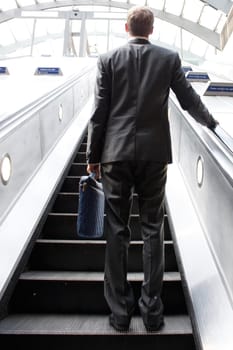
210 20
199 30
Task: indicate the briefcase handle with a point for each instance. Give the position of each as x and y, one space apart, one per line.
94 181
92 175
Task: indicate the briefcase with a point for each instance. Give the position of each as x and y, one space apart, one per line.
90 220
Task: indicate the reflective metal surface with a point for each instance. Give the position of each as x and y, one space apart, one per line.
209 303
225 138
40 138
32 121
19 224
200 206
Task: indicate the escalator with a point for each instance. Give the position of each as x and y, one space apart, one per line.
58 299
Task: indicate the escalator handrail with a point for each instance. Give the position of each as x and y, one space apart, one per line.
224 137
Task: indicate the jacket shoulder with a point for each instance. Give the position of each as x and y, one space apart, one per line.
164 51
113 52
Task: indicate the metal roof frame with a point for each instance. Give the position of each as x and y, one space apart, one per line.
222 5
217 40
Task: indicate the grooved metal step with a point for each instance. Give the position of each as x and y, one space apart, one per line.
78 169
81 324
70 184
80 157
83 292
74 276
64 226
68 202
52 254
83 147
88 331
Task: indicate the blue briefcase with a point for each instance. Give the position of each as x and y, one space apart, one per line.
90 221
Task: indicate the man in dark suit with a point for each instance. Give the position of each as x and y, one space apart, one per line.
129 136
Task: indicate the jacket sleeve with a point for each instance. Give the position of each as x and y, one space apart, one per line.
188 98
98 120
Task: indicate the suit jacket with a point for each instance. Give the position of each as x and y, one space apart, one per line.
130 115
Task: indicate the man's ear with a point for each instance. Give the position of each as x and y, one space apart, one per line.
126 27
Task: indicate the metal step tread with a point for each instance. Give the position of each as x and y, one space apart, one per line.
88 276
87 242
72 177
75 194
74 324
70 194
74 214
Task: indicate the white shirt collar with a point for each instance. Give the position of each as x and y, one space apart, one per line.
137 37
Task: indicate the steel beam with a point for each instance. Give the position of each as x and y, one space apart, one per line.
222 5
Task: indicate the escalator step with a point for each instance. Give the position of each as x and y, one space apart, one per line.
71 184
83 147
68 202
80 157
65 331
82 292
63 226
83 255
78 169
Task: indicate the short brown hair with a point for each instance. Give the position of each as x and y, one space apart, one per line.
140 21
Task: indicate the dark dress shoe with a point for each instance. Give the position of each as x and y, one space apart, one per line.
122 327
154 327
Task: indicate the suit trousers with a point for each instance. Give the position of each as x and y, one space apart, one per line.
120 181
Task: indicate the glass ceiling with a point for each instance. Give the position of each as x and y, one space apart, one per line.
210 20
198 29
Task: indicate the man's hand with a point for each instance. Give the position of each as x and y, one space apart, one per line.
94 168
213 125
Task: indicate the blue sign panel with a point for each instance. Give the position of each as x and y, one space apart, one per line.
48 71
3 70
222 88
219 89
198 76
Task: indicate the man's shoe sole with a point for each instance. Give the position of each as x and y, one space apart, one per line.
117 326
154 328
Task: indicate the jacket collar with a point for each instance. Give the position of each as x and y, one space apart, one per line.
140 41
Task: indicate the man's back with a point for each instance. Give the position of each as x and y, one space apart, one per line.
135 80
139 76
